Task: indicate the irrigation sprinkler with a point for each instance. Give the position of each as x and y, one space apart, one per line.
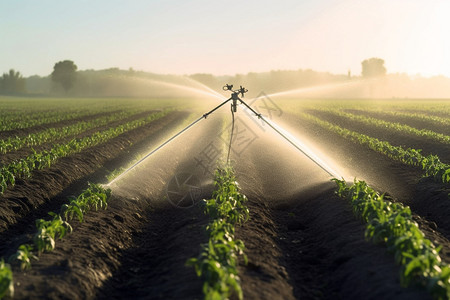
235 99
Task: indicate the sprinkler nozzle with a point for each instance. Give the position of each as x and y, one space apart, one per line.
242 91
235 95
228 87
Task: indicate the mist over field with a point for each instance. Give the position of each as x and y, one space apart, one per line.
130 83
225 149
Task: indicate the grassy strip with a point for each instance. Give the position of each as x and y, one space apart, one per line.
217 263
398 127
431 164
22 168
392 224
44 240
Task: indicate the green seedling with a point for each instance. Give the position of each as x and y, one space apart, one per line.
24 254
6 280
431 164
48 231
218 260
93 197
392 224
24 167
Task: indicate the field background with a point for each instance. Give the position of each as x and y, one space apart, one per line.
54 147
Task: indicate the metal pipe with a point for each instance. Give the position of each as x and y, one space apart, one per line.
287 139
216 108
204 116
235 98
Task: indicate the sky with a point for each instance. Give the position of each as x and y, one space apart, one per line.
225 37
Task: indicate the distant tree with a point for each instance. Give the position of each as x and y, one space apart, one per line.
64 73
12 83
373 67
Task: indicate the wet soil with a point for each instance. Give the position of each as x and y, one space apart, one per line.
48 189
405 140
302 241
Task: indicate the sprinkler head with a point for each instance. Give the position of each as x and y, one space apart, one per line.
228 87
242 91
235 95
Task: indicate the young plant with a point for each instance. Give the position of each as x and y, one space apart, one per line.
48 231
94 196
218 261
24 254
431 164
6 280
23 167
392 224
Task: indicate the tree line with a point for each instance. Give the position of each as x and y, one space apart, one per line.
66 79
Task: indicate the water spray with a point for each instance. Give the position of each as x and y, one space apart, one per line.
283 133
235 100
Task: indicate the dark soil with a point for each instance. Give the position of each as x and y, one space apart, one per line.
23 152
155 267
49 188
37 128
404 183
315 250
428 146
300 245
413 122
265 275
80 264
328 257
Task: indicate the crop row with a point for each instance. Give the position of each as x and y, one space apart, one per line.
431 164
392 224
217 263
437 108
429 107
402 128
6 280
30 113
23 121
53 134
411 115
48 231
23 168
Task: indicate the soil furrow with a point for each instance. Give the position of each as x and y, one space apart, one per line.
401 182
24 152
395 138
37 128
413 122
302 241
33 198
327 256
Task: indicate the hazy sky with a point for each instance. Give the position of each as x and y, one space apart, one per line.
225 37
